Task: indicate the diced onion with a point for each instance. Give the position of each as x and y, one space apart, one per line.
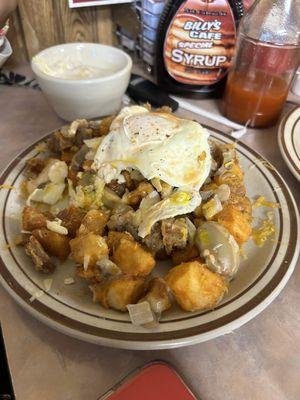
86 261
36 295
211 208
121 179
223 192
150 200
108 267
95 124
93 143
206 194
191 230
153 195
228 158
70 131
50 194
140 313
55 226
217 246
214 165
69 280
228 155
47 284
156 184
35 196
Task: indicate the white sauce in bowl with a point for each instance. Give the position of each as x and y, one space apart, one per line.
71 69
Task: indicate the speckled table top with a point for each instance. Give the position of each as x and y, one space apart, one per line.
260 361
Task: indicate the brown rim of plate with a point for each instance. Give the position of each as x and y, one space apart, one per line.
282 138
64 321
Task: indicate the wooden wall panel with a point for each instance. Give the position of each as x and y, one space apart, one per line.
38 24
105 26
16 38
75 25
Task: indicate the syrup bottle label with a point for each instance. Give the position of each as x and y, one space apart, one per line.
200 41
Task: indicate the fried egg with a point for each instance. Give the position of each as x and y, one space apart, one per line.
181 201
158 145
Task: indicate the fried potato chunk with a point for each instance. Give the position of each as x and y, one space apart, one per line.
236 222
88 249
94 221
184 255
195 287
105 125
119 292
131 258
71 219
33 219
54 243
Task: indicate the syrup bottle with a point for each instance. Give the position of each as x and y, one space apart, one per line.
195 44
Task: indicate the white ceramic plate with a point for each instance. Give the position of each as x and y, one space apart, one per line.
69 309
289 140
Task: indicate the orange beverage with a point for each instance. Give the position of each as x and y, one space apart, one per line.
258 84
266 58
254 99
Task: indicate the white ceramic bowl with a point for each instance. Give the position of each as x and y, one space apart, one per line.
85 97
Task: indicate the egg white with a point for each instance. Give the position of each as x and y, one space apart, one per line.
181 201
162 146
158 145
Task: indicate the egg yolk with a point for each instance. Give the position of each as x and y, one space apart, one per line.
181 198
